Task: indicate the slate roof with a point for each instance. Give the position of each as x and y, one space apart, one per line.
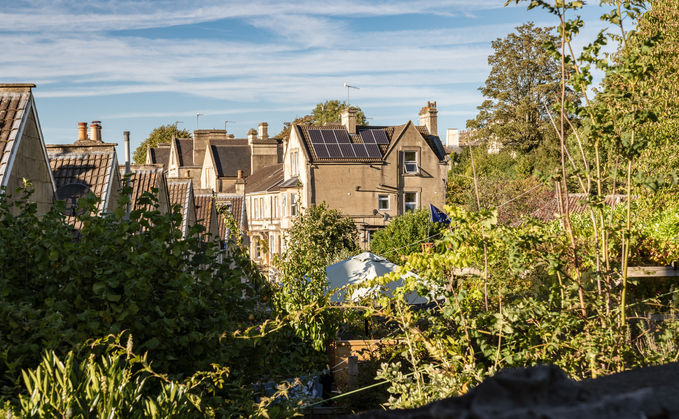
392 132
266 179
13 107
93 169
184 151
576 203
229 159
160 155
179 191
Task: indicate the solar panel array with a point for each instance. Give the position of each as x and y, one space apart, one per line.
335 144
374 136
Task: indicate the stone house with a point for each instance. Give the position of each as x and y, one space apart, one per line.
89 162
22 147
371 173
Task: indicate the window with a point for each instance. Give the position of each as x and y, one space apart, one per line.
294 163
293 205
410 162
383 202
283 205
409 201
262 212
274 206
258 249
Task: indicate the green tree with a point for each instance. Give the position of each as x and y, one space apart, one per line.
161 134
317 235
404 234
331 110
522 78
323 112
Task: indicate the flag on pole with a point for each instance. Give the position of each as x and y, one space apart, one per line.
437 215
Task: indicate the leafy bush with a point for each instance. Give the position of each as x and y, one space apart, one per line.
117 274
404 234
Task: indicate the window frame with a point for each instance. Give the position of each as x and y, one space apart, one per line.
414 203
381 198
293 204
406 163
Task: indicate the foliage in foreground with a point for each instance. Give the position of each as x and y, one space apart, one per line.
136 274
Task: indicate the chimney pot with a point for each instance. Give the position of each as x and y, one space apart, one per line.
95 131
240 174
187 173
82 131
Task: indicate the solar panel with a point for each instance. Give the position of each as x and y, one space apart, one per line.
329 136
321 151
334 151
380 136
316 136
373 151
347 150
360 150
367 137
342 136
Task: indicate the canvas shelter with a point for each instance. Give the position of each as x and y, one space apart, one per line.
361 268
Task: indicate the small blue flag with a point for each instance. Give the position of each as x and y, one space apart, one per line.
438 216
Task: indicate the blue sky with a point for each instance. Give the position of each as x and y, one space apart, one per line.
135 65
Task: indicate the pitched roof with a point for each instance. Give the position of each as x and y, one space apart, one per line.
83 165
236 203
204 204
160 155
179 191
13 109
229 159
265 179
392 133
184 151
576 204
143 177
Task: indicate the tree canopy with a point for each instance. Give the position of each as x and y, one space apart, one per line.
161 134
523 75
329 111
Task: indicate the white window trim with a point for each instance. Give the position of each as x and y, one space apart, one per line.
405 203
293 205
380 200
406 162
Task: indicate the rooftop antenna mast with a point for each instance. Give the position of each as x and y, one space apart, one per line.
349 87
197 115
177 123
226 122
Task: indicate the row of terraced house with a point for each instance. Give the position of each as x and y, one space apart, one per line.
370 173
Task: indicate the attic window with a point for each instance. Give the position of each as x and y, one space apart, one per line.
410 162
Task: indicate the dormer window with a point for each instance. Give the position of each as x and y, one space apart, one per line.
410 162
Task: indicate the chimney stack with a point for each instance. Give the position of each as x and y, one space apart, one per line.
240 183
82 131
252 136
428 118
349 119
126 134
263 131
95 131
